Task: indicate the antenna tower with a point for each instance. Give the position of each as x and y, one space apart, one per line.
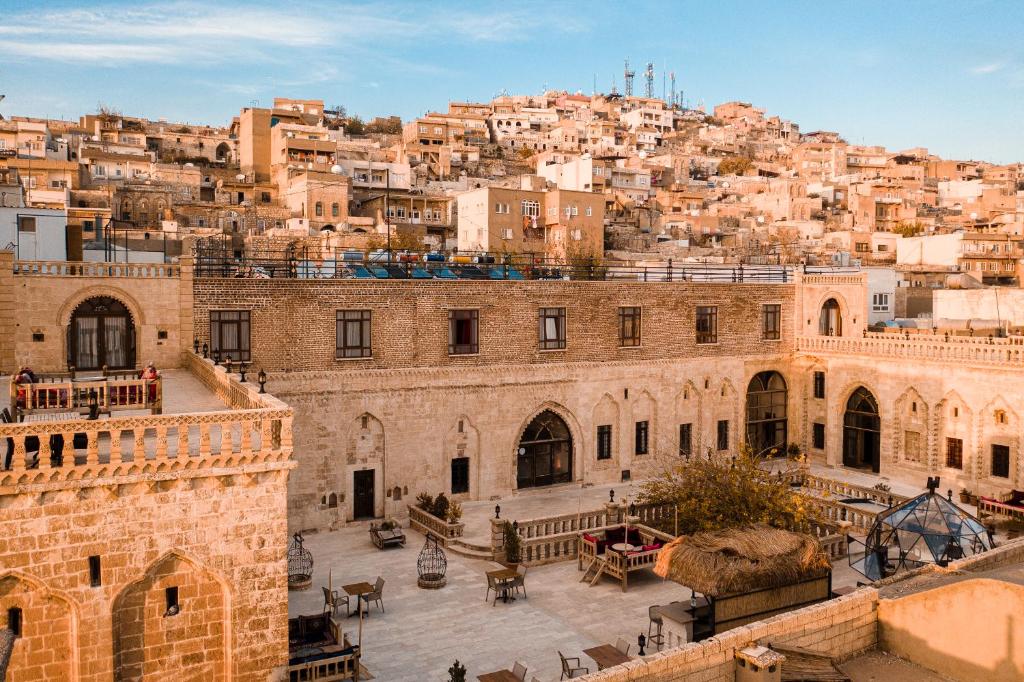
649 80
628 76
615 89
672 77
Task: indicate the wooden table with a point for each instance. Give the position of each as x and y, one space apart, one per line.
623 547
502 576
357 590
606 656
498 676
50 416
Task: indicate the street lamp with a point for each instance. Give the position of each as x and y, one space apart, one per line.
261 379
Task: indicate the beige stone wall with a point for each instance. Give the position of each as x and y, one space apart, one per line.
44 303
968 630
221 539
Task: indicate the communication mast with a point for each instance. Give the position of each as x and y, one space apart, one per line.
628 76
649 78
672 77
615 90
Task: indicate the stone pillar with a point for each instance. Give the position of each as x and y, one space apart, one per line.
498 539
611 513
8 332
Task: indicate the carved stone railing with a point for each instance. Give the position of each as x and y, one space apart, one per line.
570 523
836 278
859 518
84 269
81 449
820 485
425 523
953 349
227 387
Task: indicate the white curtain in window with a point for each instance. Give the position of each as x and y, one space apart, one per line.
88 353
114 329
228 337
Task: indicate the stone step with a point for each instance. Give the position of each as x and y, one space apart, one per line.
473 543
469 552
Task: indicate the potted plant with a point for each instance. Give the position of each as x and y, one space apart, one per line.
793 450
457 673
425 501
454 512
513 545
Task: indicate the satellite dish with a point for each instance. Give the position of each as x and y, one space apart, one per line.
190 165
336 169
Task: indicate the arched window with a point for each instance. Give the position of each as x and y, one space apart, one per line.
319 209
861 431
766 413
544 456
830 322
102 333
335 210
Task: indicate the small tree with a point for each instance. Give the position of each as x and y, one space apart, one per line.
735 165
457 673
454 512
732 492
425 501
440 508
513 543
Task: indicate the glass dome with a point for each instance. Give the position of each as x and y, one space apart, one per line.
928 529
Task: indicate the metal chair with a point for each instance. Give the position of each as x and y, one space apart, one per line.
623 646
376 596
492 584
571 670
333 600
519 670
655 637
520 580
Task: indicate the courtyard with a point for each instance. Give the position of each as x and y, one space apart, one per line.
422 632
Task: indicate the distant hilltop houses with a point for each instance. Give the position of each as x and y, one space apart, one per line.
559 176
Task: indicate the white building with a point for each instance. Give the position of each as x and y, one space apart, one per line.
34 233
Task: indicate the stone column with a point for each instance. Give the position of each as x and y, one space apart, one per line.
498 539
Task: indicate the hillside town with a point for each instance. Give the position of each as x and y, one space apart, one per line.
560 176
690 393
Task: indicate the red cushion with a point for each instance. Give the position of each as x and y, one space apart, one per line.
648 548
589 538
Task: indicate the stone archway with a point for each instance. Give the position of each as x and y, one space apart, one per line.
830 319
174 621
544 455
862 428
47 646
101 333
767 423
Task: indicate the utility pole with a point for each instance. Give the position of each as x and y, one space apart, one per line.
387 206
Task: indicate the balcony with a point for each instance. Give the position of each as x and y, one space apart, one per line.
927 346
209 420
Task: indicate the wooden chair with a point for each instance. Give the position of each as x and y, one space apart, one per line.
519 670
492 584
623 646
333 600
571 669
376 596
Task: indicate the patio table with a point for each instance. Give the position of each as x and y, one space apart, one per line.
502 576
357 590
606 656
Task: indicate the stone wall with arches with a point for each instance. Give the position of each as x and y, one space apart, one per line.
217 537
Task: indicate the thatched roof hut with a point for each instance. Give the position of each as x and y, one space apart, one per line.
739 560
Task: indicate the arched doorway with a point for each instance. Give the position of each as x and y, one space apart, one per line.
830 322
862 431
223 152
544 456
102 333
766 413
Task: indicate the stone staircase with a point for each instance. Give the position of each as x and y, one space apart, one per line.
472 548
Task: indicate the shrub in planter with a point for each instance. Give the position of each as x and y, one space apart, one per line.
457 673
440 508
454 512
425 501
513 544
793 450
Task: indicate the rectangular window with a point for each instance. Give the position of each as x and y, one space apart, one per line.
352 334
685 440
819 385
912 446
954 453
604 441
1001 460
707 324
530 208
229 334
629 326
771 321
460 475
818 436
26 224
723 434
551 328
880 303
171 601
463 332
14 620
95 577
642 430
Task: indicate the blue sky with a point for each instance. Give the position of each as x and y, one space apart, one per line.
945 75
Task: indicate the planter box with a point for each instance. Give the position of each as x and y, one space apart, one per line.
428 523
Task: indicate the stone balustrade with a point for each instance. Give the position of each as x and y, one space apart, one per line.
832 510
947 349
842 489
256 429
427 523
834 278
85 269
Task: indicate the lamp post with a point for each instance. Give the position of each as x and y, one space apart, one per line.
216 356
497 511
206 350
261 378
195 345
227 364
241 372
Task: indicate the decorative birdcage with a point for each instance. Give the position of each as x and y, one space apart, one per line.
300 564
431 565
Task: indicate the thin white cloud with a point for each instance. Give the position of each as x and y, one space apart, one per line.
985 69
